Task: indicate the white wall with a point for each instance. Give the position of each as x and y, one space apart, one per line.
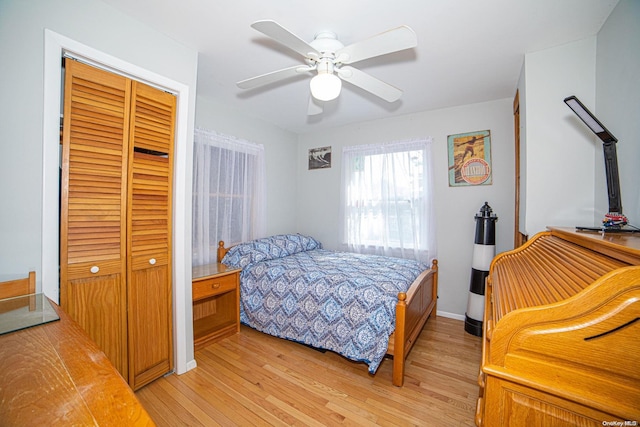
280 152
558 151
618 104
565 181
30 74
319 190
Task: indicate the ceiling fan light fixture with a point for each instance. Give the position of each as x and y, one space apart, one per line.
331 60
325 86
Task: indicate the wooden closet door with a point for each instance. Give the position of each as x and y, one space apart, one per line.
149 229
93 206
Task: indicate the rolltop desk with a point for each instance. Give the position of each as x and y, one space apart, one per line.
561 342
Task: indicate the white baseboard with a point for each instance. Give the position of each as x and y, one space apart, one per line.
450 315
191 364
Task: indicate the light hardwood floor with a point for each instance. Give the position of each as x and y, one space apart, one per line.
253 379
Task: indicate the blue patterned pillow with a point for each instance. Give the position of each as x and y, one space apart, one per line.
278 246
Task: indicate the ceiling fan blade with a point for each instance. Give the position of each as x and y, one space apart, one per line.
390 41
315 107
369 83
273 77
286 37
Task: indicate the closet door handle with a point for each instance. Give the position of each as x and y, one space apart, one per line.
94 269
152 261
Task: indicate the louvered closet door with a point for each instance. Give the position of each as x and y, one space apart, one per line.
93 206
151 159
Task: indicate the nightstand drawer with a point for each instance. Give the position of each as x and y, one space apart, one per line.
213 286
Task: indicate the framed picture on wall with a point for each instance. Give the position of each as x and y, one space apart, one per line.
470 158
320 158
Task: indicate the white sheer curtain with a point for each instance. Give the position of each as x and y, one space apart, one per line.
387 205
228 192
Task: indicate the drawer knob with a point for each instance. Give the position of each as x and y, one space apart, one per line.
94 269
215 285
152 261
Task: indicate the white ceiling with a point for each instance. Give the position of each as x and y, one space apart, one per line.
468 51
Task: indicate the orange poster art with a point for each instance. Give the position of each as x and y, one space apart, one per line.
469 158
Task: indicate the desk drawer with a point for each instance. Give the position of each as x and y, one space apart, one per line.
213 286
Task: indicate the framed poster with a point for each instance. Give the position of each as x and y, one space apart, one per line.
469 158
320 158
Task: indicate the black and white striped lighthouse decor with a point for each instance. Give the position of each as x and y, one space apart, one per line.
484 249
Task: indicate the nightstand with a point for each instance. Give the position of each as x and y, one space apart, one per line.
216 303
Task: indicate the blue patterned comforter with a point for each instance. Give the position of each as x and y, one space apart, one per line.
339 301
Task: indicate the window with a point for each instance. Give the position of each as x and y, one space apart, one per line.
387 200
228 193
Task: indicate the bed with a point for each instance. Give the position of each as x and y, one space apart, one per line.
363 307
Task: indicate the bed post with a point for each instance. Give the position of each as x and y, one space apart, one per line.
221 250
399 341
434 288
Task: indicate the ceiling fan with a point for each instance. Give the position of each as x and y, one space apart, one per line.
329 59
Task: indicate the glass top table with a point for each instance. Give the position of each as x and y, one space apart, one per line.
24 312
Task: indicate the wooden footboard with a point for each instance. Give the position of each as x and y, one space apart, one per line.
412 311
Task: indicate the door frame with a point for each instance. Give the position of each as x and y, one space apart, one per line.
518 237
55 45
